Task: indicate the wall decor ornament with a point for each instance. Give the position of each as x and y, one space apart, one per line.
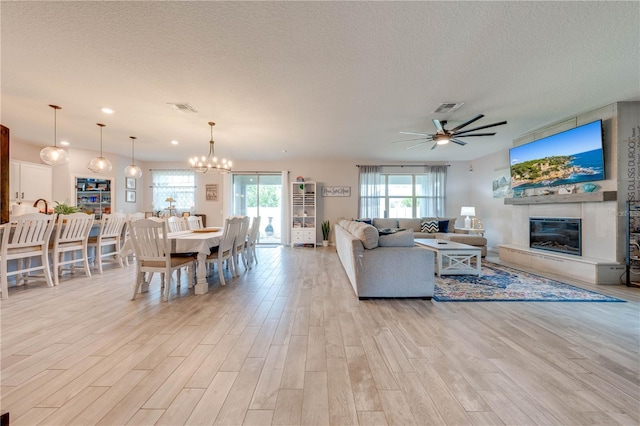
336 191
130 183
130 196
212 192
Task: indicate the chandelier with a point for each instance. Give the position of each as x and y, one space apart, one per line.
52 154
132 170
210 163
100 164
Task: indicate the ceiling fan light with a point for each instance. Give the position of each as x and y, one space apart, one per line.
442 139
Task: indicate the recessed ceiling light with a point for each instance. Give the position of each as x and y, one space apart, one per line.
64 143
107 110
284 150
174 142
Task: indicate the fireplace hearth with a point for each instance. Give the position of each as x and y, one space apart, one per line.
562 235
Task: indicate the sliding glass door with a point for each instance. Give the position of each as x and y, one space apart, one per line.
260 194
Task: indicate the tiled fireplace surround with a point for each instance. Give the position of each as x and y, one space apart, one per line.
597 264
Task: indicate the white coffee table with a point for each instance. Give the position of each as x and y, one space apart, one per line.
453 258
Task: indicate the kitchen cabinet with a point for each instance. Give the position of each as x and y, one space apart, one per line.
94 196
29 182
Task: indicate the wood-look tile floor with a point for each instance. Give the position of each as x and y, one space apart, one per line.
288 343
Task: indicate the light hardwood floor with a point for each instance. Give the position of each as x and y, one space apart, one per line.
288 343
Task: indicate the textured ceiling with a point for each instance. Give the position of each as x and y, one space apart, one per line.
315 79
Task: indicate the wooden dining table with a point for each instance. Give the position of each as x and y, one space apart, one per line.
198 241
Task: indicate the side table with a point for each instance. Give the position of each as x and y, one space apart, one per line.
472 231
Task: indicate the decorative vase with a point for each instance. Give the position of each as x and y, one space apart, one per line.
325 243
269 228
589 187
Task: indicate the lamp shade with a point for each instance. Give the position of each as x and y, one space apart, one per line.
468 211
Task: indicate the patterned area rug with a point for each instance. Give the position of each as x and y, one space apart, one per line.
503 284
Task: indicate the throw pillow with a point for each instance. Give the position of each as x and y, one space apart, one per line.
402 238
367 221
443 226
430 226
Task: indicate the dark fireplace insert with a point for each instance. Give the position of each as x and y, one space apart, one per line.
562 235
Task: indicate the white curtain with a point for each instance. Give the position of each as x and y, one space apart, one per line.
433 181
286 209
371 188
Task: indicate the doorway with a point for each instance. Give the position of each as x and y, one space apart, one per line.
260 194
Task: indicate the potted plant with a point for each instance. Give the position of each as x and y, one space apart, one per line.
64 208
326 229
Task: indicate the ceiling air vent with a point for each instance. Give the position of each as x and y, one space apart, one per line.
185 107
448 107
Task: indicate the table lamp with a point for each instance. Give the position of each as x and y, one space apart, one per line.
467 211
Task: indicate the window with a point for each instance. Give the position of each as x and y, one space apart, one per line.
176 184
402 195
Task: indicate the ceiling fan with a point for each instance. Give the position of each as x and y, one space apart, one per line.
444 136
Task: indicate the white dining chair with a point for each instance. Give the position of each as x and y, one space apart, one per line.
177 224
194 222
153 254
252 240
239 246
224 251
70 238
27 236
109 235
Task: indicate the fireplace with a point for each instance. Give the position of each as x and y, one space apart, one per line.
562 235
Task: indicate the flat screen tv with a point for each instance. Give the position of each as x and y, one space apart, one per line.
565 158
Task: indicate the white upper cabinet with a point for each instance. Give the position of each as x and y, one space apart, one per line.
29 182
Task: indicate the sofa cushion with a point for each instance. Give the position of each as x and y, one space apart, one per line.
380 222
429 226
398 239
412 223
368 234
443 225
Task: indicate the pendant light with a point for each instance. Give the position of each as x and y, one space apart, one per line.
132 170
210 163
52 154
100 164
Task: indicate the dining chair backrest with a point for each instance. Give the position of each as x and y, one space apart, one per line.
241 237
73 228
149 239
111 225
29 230
231 229
177 224
71 236
135 216
194 222
252 241
25 237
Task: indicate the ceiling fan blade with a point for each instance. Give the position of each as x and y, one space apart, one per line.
459 142
434 146
409 140
416 145
438 125
480 128
458 135
476 118
420 134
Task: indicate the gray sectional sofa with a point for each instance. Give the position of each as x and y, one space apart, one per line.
446 231
384 266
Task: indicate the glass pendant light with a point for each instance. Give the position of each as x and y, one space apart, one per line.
52 154
100 164
132 170
210 163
